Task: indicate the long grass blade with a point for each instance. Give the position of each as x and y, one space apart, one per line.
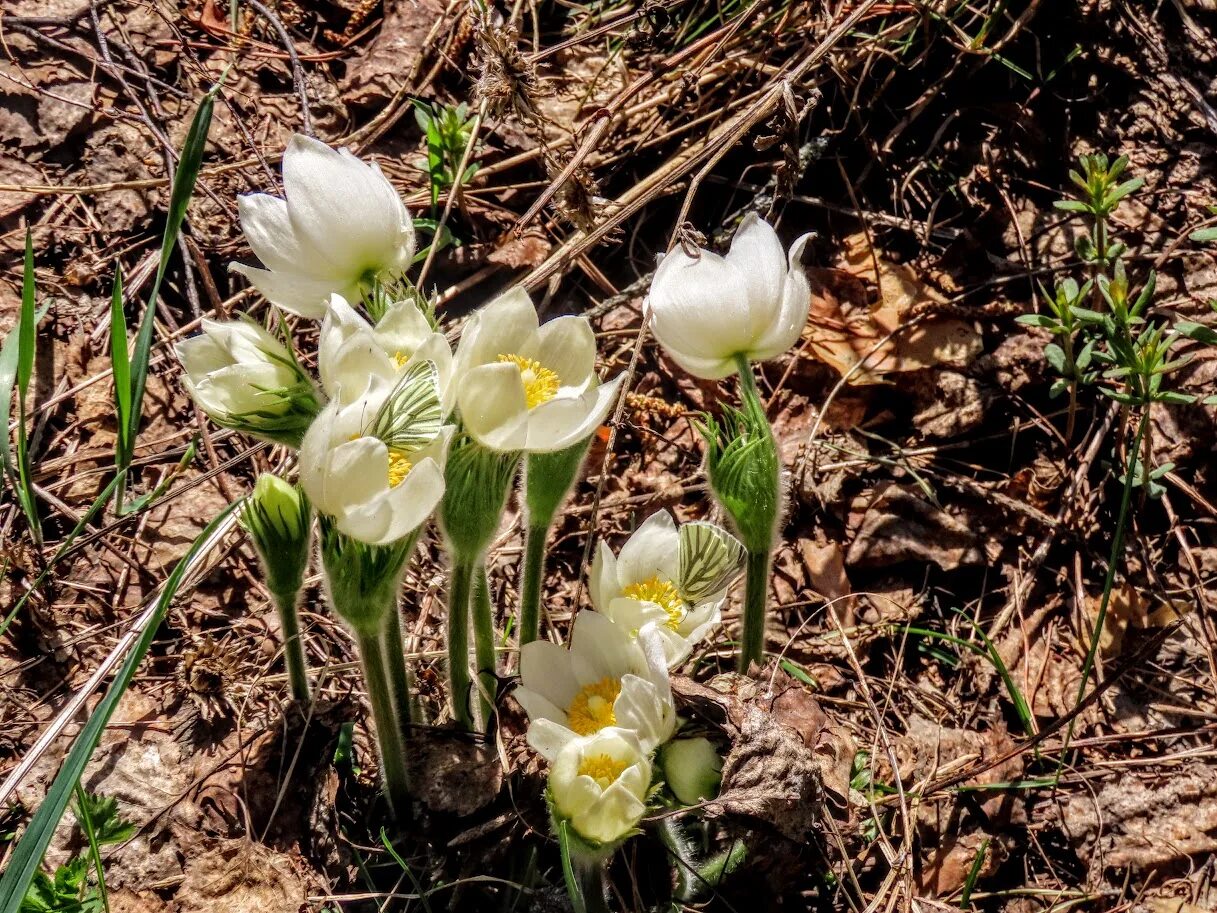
28 852
25 371
189 164
120 359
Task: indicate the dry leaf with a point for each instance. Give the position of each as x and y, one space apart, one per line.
846 328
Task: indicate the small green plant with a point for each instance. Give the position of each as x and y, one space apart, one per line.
68 890
448 129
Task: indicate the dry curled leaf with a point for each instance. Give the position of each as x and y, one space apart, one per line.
850 329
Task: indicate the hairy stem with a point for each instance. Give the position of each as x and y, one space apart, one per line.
483 637
756 594
534 575
458 641
293 646
385 717
394 648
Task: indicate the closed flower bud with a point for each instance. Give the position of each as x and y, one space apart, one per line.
707 311
340 228
692 768
278 518
246 379
526 387
598 785
675 578
376 465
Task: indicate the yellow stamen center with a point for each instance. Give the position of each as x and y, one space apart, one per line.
602 768
399 467
663 594
540 383
592 708
400 359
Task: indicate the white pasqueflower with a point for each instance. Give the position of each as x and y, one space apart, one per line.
606 678
676 579
352 352
708 310
376 465
339 227
245 378
599 784
523 386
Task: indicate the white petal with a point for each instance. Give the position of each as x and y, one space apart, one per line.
548 738
633 614
641 707
414 500
344 209
295 294
506 326
791 318
493 406
700 306
600 649
705 368
268 229
545 668
567 346
652 551
564 421
616 813
403 328
602 584
757 254
314 458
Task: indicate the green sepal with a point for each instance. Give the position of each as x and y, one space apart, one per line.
477 481
362 580
742 464
279 520
548 478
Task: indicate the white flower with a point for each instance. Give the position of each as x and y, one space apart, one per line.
376 465
692 768
352 352
753 302
340 226
521 386
675 579
606 678
245 378
599 785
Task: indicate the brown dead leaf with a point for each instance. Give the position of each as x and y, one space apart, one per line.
1144 823
894 523
849 328
376 76
524 252
452 773
1128 610
240 876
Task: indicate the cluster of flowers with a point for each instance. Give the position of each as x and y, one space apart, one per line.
398 428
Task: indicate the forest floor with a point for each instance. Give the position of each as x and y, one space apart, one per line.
947 537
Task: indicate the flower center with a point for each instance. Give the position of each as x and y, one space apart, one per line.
540 383
602 768
592 708
400 359
399 467
663 594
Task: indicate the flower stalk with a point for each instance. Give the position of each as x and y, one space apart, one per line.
756 593
362 581
477 483
548 478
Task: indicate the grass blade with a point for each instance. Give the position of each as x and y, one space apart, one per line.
25 371
120 360
189 164
28 852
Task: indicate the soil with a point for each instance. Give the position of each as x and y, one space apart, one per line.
916 740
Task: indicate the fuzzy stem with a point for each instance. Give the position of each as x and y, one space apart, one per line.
591 878
394 649
534 575
483 637
385 717
293 646
458 641
756 594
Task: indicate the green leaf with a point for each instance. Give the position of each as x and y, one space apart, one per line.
1071 206
1055 356
1043 321
25 370
1197 331
1204 235
189 165
27 854
120 362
